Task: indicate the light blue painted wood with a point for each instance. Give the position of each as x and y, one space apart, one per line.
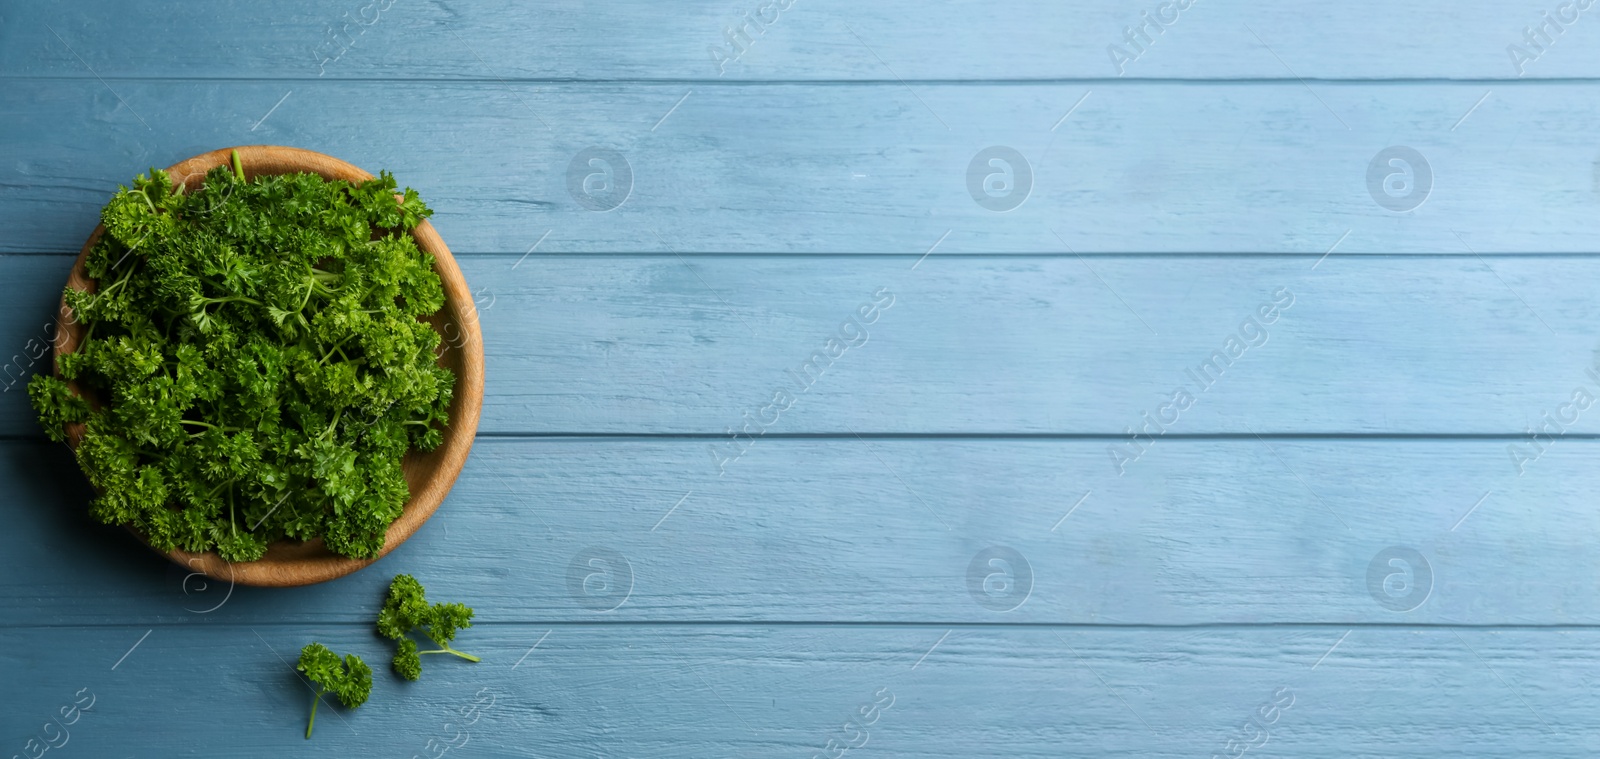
755 690
769 603
845 530
812 40
664 344
874 168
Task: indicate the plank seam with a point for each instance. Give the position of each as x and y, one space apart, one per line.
738 83
1068 437
1220 626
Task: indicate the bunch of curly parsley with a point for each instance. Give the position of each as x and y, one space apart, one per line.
259 360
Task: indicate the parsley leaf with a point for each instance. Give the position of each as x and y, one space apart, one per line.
349 679
257 359
407 610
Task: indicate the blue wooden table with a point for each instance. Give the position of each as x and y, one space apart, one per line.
1193 378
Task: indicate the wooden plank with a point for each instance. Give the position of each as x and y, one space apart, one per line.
675 591
810 40
875 168
770 691
868 531
1014 345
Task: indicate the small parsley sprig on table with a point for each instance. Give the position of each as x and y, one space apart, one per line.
258 359
349 679
407 610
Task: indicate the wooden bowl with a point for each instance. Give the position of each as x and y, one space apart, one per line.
429 475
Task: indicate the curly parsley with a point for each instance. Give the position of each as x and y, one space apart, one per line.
350 679
406 609
259 360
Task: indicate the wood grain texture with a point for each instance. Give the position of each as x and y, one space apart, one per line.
874 168
812 40
755 690
772 593
866 531
1012 346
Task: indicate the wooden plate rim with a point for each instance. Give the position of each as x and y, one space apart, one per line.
289 563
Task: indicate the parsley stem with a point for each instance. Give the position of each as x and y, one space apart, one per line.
449 650
315 699
336 347
103 293
208 426
114 285
218 488
238 168
232 298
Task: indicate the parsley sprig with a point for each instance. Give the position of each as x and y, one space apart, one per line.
258 359
349 679
407 610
